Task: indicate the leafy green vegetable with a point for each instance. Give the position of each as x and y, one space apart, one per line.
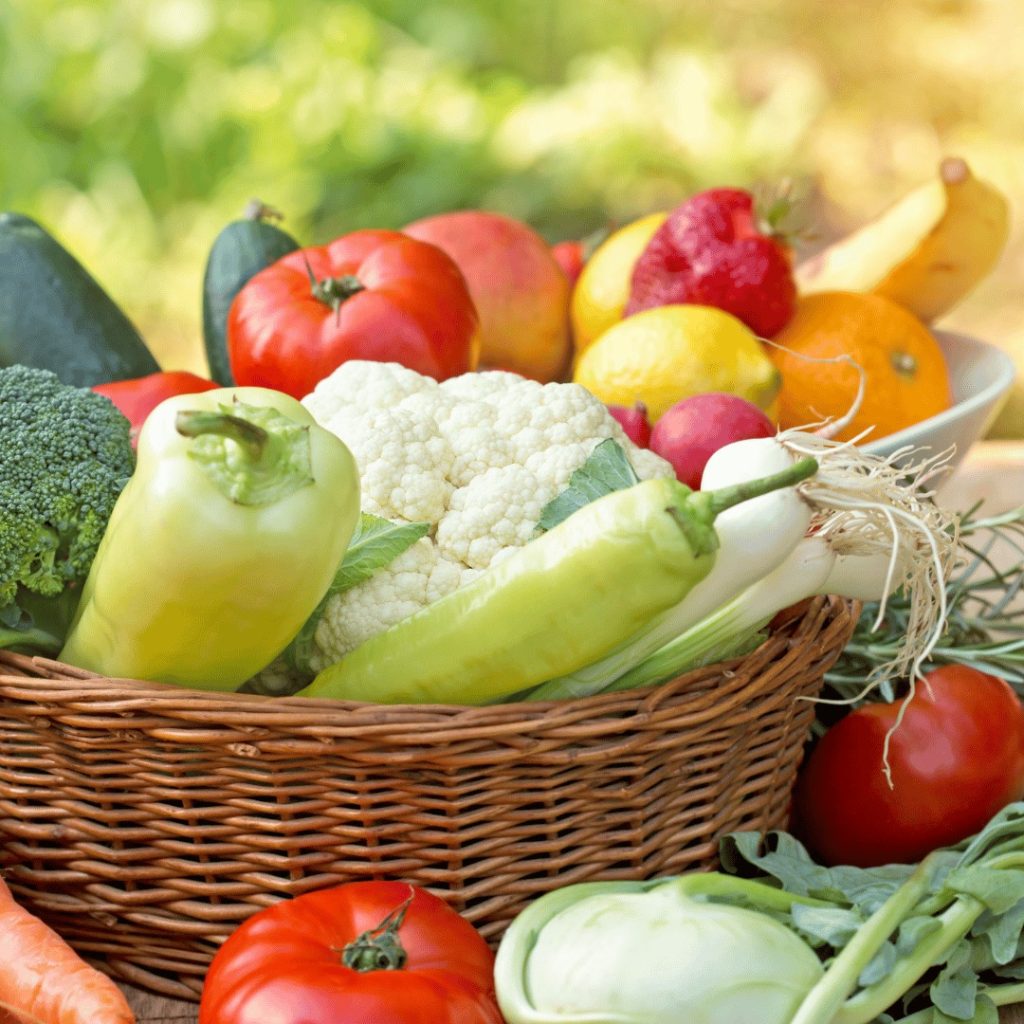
376 543
606 470
938 939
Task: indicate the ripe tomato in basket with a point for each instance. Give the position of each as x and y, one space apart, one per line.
361 953
377 295
957 758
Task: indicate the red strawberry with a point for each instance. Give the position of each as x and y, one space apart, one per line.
711 251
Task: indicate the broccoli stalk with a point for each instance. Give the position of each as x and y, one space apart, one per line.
65 455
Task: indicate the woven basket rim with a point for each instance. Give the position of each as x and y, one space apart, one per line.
42 673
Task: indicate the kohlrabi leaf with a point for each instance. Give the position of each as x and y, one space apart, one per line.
787 861
777 854
1001 835
913 931
1003 932
832 925
879 966
606 470
868 888
998 888
955 991
376 543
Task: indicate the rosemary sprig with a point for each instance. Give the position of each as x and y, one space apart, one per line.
985 624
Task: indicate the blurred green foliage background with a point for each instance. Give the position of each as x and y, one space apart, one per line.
135 129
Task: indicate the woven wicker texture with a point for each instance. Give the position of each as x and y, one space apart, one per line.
144 822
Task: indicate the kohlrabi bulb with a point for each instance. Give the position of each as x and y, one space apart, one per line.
663 957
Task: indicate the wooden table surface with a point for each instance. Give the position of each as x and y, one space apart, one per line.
993 471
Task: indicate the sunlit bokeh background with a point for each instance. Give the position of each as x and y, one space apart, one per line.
135 129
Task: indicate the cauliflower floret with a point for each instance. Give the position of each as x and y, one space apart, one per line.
361 384
416 578
404 463
498 509
477 457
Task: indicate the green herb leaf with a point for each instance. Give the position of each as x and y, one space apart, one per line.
606 470
376 543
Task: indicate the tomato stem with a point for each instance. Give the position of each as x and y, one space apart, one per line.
379 948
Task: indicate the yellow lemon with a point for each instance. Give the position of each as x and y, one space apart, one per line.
666 354
602 291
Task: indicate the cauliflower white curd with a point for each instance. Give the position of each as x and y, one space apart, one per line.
478 457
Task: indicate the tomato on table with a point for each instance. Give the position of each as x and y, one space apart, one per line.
956 759
361 953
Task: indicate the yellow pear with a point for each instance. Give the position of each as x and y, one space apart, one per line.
926 252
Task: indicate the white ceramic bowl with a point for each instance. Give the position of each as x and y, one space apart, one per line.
981 376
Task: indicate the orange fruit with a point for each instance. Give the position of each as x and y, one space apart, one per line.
602 290
906 378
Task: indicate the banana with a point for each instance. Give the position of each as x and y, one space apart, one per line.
926 252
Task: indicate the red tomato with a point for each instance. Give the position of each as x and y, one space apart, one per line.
137 398
957 758
376 295
413 961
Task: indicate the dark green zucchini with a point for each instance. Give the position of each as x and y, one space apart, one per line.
239 252
54 316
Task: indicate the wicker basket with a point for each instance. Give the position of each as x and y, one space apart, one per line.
144 821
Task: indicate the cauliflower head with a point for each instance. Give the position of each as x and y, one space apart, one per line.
477 457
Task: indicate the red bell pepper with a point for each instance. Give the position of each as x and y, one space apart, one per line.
138 397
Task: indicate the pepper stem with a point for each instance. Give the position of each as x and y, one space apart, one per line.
726 497
379 948
196 422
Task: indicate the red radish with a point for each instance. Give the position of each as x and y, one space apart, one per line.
695 428
634 422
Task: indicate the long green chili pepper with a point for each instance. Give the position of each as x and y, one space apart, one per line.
555 605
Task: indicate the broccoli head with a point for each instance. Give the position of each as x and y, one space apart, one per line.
65 455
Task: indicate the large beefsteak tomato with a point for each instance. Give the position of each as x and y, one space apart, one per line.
956 759
376 295
361 953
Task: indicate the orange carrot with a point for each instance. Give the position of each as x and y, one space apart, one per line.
42 979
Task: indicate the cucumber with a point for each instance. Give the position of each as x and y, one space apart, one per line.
54 316
239 252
